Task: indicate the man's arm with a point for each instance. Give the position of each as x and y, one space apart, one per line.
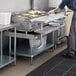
59 8
56 10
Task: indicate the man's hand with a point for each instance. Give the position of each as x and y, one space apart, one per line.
51 12
56 10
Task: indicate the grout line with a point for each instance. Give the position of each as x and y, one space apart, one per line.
54 67
69 69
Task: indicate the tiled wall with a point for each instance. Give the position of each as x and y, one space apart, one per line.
14 5
54 3
21 5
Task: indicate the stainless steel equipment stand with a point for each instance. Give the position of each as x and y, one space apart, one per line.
7 59
31 51
43 47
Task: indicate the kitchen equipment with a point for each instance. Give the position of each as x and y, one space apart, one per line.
24 19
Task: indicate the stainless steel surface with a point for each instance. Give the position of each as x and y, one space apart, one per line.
48 18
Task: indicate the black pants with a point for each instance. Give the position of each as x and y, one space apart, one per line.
71 39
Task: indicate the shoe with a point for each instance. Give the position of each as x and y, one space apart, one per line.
69 55
75 53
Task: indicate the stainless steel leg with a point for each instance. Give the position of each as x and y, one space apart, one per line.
41 32
55 46
53 40
1 46
31 60
31 53
9 47
15 44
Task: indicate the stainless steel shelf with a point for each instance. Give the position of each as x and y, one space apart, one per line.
5 60
23 51
47 29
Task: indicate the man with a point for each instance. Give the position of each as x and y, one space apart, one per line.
71 4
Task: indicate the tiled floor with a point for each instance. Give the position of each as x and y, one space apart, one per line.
23 64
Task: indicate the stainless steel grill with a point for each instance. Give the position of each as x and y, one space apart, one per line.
23 19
